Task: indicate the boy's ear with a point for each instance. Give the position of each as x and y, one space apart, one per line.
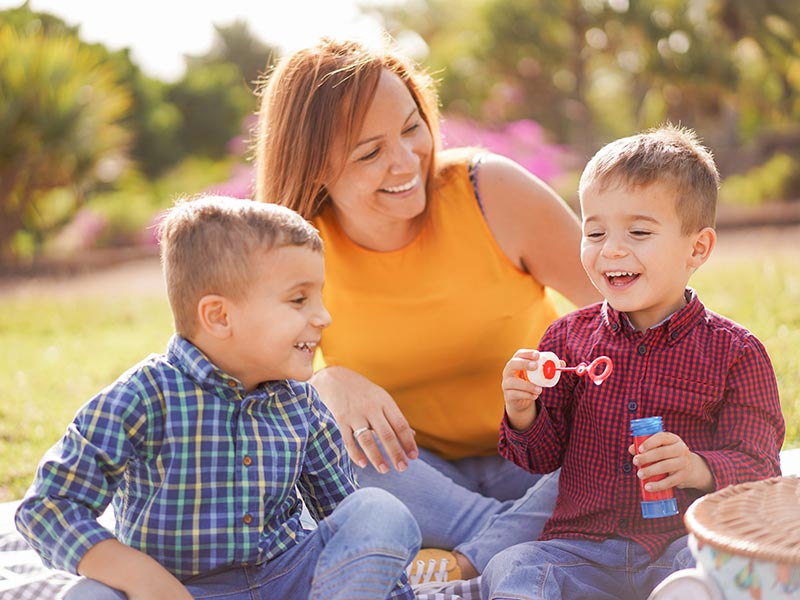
704 243
213 317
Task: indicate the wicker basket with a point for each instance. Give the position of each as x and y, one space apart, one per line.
747 537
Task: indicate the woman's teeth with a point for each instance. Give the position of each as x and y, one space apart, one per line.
402 188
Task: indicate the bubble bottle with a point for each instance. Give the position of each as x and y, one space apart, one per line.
654 504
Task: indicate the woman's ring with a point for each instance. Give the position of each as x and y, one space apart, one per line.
359 431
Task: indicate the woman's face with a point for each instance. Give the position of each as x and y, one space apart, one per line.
383 180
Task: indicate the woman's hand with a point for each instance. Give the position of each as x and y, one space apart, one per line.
666 453
520 394
357 403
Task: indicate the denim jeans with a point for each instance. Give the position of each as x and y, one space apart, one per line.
477 506
359 551
615 569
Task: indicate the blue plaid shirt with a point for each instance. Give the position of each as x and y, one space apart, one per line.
201 474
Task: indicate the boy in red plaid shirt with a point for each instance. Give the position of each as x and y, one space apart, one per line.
648 208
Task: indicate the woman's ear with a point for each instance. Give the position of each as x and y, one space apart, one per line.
213 316
704 243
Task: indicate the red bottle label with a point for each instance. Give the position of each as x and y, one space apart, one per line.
648 496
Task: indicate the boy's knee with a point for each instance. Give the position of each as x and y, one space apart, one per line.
378 509
89 589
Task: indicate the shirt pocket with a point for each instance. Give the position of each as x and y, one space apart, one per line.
684 398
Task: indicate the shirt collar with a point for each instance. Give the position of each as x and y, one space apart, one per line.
188 358
675 325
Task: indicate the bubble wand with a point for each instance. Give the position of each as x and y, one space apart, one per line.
549 371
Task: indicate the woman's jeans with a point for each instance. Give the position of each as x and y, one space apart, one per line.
477 506
360 551
615 569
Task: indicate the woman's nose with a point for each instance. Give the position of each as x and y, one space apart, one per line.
404 158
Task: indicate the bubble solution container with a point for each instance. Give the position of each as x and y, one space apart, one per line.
654 504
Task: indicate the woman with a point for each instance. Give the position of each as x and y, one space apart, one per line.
436 267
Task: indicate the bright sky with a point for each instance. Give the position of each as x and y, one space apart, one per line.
160 32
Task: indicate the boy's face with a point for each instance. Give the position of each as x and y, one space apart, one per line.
277 325
634 252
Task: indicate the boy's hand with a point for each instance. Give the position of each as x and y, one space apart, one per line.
520 394
666 453
133 572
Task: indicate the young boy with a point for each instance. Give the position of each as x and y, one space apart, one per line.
203 450
648 210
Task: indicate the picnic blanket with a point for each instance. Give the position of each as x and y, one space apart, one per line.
23 577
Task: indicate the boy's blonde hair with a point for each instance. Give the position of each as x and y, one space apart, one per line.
208 245
316 97
670 155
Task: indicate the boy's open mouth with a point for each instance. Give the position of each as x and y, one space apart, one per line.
306 347
620 278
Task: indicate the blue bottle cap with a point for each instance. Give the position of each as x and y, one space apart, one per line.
659 508
646 426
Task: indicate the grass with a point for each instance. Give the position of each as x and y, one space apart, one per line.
56 353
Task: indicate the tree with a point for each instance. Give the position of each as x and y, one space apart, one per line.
60 126
235 44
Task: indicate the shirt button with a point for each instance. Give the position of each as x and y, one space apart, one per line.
247 519
642 350
247 461
632 406
627 468
614 327
673 335
231 383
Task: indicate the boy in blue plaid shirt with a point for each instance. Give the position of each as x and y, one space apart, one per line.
202 450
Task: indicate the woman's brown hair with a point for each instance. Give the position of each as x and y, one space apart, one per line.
311 98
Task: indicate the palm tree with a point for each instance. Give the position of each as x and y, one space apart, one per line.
60 113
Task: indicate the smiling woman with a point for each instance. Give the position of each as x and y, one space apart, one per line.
437 267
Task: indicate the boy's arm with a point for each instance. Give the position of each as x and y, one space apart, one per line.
750 426
128 570
76 480
327 476
533 437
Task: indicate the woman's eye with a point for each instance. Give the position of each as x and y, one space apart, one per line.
411 128
369 156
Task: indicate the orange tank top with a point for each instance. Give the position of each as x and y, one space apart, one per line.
435 322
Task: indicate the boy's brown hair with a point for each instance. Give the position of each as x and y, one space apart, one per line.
670 155
316 98
208 244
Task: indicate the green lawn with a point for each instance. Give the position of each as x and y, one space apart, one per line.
56 353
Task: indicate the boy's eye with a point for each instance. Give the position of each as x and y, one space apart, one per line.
640 233
594 235
299 300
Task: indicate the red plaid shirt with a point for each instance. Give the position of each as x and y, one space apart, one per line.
709 378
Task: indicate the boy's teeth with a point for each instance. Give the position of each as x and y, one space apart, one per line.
619 274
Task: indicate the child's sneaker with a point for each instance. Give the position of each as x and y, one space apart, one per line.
433 564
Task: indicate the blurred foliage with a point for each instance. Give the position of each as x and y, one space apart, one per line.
586 71
761 183
212 101
236 45
593 70
59 126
